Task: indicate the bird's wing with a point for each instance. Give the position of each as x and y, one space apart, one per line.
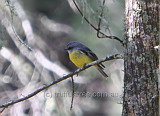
89 53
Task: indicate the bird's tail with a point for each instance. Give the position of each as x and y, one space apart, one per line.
100 69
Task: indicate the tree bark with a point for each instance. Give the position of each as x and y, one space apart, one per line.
141 59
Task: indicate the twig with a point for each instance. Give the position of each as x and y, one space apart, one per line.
72 93
99 23
100 20
2 110
107 58
11 8
97 29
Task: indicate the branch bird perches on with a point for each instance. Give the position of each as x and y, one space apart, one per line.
107 58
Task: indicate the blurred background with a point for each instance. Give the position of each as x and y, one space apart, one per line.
47 26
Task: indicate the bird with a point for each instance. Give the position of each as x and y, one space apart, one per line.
81 55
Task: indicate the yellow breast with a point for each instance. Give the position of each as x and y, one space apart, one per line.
79 58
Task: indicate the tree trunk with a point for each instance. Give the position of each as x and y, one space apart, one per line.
141 59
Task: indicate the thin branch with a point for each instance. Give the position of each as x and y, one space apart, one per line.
2 110
95 28
11 8
100 20
72 93
107 58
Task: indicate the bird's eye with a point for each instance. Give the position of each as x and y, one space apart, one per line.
69 48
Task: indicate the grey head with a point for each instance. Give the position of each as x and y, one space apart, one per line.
74 45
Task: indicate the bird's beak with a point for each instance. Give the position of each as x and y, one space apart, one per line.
65 48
